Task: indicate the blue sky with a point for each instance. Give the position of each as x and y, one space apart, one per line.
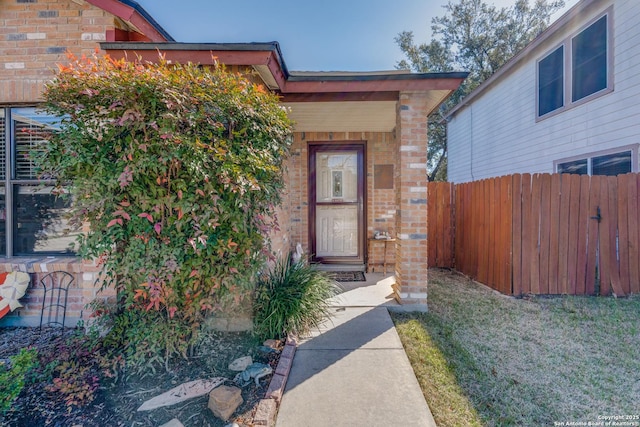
325 35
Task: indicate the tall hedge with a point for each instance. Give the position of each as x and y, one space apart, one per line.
177 169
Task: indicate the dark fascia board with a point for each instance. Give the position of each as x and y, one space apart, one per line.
149 18
294 76
209 47
372 76
569 16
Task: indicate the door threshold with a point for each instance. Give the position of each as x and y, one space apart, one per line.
340 267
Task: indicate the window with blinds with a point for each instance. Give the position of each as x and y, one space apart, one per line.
30 137
37 216
3 144
3 176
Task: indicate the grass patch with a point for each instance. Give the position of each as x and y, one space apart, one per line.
485 359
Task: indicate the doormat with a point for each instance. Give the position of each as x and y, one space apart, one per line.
347 276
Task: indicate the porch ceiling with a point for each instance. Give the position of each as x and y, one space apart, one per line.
351 116
355 116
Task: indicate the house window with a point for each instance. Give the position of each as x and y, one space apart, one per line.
579 167
33 218
551 82
564 82
589 60
606 164
611 164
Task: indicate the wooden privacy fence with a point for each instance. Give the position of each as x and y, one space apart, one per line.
541 233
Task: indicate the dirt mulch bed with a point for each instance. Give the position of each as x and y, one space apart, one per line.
116 402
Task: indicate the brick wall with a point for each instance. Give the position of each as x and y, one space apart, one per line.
411 199
381 150
35 36
280 238
83 289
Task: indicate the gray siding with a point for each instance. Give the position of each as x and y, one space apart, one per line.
501 123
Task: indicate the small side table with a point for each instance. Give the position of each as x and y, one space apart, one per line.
386 243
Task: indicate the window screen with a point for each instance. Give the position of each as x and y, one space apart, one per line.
612 164
551 82
39 217
589 60
42 221
577 166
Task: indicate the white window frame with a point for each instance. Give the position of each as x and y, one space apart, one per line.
589 157
568 68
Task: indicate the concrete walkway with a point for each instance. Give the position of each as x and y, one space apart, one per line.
354 371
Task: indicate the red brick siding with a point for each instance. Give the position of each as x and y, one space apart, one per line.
381 211
34 38
82 291
411 199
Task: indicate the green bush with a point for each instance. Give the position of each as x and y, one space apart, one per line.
176 170
291 298
145 340
12 380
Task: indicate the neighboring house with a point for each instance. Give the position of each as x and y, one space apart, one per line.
568 102
358 157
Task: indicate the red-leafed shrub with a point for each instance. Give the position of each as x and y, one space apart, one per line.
176 170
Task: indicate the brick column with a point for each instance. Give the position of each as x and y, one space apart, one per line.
411 200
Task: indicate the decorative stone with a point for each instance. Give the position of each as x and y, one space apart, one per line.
231 324
267 350
240 364
183 392
173 423
274 344
224 400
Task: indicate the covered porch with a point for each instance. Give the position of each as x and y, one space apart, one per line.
358 158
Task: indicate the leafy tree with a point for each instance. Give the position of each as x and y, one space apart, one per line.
476 37
176 169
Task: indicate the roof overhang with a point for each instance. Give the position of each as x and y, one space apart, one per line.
318 101
142 27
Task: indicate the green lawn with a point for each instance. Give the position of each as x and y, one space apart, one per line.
486 359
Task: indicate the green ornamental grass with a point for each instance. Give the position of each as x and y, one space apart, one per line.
291 298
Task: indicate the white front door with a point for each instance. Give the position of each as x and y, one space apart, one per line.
337 202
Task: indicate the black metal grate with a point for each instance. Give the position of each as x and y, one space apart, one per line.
56 288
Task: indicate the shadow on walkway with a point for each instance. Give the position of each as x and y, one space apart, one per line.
353 371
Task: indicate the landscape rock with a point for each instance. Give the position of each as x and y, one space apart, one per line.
183 392
240 364
230 324
267 350
224 400
274 344
173 423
